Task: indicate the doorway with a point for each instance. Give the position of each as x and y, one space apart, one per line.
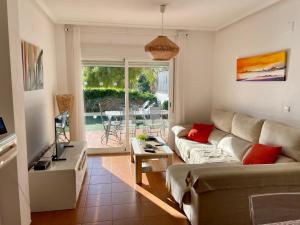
124 99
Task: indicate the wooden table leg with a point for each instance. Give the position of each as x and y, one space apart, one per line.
131 154
169 160
138 170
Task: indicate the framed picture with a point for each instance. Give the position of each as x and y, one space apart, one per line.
267 67
32 57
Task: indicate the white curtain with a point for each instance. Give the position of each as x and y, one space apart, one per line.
179 79
75 83
178 110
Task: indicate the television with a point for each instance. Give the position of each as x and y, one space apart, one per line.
62 135
2 127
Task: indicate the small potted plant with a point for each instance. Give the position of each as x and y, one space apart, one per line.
142 138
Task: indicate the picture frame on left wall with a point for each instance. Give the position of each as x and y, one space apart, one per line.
33 70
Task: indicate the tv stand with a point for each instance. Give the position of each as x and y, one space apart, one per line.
68 146
58 187
58 159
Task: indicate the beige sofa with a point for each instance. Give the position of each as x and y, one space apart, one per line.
214 187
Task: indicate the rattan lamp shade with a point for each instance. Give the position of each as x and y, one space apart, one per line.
65 103
162 48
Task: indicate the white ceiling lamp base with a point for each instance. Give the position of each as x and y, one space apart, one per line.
162 48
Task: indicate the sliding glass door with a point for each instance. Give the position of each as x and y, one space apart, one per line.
104 99
149 98
124 99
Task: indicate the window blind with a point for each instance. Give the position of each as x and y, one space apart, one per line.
151 64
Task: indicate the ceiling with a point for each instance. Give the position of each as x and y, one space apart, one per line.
180 14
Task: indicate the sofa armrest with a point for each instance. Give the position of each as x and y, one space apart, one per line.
181 130
243 177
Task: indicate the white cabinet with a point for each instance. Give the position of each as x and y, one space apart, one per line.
9 184
58 187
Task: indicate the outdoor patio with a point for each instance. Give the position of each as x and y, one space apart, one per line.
94 132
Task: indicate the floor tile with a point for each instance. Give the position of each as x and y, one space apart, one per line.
100 223
98 200
67 217
121 187
134 221
151 209
98 171
124 197
125 211
100 179
97 165
42 218
97 214
81 201
96 189
116 179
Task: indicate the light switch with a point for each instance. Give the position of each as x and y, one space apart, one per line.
287 109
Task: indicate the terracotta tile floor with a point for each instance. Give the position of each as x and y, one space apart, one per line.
109 196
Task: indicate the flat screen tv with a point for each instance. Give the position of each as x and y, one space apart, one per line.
62 135
2 127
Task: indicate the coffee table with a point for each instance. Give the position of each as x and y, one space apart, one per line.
138 155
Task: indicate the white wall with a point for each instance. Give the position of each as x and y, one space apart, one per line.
12 96
267 31
197 74
117 43
38 29
5 79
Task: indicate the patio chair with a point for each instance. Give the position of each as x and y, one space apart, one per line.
145 105
110 125
61 123
132 124
155 124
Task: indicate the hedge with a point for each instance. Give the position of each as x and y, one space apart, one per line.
93 96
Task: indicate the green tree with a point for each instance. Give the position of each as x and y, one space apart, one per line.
143 83
113 77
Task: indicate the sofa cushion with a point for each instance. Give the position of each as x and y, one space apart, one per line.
200 132
284 159
281 135
262 154
185 146
246 127
222 119
210 154
216 136
281 158
234 146
181 130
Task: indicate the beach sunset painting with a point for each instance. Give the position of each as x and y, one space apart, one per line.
267 67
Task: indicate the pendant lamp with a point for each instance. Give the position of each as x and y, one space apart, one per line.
162 48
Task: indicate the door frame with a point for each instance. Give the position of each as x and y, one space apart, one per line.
126 63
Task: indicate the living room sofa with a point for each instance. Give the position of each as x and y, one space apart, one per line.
214 187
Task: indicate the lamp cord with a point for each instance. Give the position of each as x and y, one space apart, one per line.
162 23
162 10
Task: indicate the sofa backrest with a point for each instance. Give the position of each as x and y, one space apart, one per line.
222 119
246 127
234 146
278 134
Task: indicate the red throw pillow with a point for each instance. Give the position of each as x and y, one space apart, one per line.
262 154
200 132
